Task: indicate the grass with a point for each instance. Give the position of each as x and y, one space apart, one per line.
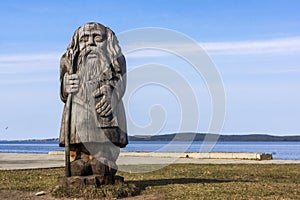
177 181
92 192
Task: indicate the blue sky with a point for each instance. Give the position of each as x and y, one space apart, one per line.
254 44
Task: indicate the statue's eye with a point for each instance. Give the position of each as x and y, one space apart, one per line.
84 38
98 38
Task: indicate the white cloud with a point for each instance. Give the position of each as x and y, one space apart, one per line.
147 53
278 46
29 57
28 63
286 71
35 68
24 80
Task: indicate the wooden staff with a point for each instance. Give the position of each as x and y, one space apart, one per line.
68 127
67 136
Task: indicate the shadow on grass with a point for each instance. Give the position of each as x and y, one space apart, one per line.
142 184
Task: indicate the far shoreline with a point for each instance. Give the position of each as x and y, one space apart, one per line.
189 137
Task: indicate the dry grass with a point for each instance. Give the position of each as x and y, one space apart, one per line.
191 181
180 181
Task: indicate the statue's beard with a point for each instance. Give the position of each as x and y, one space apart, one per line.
89 53
91 64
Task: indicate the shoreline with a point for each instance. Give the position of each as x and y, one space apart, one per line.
15 161
279 150
196 155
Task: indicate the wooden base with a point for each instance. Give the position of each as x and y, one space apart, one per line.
95 180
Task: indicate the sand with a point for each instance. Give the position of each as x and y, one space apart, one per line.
12 161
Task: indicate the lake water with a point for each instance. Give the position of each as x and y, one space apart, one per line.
279 150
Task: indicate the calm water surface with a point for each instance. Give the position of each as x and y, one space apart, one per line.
280 150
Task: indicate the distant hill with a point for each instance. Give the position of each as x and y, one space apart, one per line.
197 137
201 136
33 140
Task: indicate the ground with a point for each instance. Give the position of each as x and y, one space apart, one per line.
23 195
180 181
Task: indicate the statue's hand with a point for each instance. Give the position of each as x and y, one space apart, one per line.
104 106
71 83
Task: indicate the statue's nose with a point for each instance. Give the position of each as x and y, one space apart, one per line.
91 41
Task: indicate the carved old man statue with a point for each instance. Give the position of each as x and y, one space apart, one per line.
92 77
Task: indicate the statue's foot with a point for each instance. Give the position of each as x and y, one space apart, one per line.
103 168
81 168
98 167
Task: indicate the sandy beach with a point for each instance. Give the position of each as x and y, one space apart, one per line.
10 161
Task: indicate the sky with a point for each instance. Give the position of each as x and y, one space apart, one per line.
254 45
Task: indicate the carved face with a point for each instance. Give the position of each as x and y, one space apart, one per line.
93 57
92 40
